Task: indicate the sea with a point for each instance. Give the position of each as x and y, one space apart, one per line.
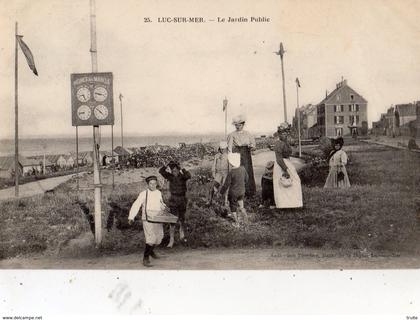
38 146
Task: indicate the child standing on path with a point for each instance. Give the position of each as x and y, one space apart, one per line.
220 169
236 181
150 200
177 178
337 177
267 189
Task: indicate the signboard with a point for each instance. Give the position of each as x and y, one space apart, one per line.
92 99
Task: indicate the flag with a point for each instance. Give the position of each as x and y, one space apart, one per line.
121 96
225 102
28 54
297 82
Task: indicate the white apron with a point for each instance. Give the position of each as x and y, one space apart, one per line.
287 197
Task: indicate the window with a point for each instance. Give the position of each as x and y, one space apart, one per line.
339 132
339 108
351 97
351 120
357 120
339 120
353 107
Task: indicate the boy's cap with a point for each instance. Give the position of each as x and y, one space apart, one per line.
150 178
223 145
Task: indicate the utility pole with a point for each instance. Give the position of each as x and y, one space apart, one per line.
96 134
281 54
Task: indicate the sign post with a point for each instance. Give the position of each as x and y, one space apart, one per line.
93 105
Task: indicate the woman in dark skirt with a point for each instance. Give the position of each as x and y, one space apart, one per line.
242 142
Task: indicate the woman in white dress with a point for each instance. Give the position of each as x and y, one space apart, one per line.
286 181
337 177
150 200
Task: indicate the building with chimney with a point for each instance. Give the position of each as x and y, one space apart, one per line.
342 112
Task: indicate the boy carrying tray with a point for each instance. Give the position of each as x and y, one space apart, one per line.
149 200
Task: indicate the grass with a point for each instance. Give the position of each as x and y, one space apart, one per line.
379 212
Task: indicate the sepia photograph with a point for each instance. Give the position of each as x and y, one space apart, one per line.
144 137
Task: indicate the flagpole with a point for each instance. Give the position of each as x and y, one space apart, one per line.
298 118
96 173
122 131
225 104
16 116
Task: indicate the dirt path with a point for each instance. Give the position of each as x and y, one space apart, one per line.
36 187
224 259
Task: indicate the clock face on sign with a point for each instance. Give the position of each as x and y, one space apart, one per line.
101 112
84 112
100 94
83 94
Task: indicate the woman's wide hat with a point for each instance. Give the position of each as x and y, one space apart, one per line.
238 119
283 127
338 140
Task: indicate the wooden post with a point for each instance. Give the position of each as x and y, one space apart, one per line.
122 128
298 119
112 156
16 117
77 159
96 173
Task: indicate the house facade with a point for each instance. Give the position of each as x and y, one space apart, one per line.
308 120
342 112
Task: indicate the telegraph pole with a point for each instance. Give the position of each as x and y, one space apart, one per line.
281 54
96 134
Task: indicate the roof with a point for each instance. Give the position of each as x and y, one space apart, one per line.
120 151
408 109
40 159
8 162
25 162
81 155
341 95
53 158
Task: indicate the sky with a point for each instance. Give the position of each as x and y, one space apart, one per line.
174 76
